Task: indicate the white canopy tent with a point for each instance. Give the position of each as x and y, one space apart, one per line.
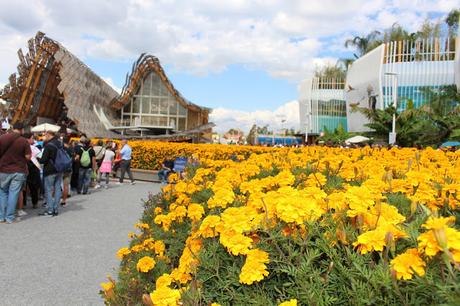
357 139
45 127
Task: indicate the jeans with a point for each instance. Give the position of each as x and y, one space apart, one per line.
125 166
10 186
107 177
163 175
84 179
53 184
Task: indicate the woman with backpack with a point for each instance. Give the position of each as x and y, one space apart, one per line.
106 166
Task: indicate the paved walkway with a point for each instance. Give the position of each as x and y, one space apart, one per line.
62 260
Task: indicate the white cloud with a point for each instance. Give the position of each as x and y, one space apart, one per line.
225 118
283 38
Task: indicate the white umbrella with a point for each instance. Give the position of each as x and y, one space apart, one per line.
45 127
357 139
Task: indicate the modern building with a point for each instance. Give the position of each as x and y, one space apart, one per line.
322 105
53 85
399 68
404 69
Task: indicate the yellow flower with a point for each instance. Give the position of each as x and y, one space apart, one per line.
165 296
405 264
159 247
221 198
142 226
123 252
164 281
437 223
145 264
195 212
208 226
371 241
107 287
291 302
235 243
254 269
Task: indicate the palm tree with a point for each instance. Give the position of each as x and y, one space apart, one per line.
345 63
331 72
396 33
452 21
364 44
433 123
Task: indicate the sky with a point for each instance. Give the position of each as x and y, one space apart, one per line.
243 59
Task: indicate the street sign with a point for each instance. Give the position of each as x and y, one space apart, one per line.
392 138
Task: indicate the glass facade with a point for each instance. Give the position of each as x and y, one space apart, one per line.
331 114
325 106
154 106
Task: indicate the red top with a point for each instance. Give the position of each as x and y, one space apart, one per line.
13 151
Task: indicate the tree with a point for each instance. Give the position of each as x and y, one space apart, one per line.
331 72
364 44
429 30
452 22
252 135
432 124
263 130
395 33
344 63
337 137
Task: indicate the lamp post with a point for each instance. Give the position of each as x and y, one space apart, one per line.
392 135
307 127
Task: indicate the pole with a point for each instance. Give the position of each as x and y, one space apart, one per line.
392 134
395 99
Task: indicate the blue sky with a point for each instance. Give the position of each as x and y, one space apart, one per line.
244 59
237 86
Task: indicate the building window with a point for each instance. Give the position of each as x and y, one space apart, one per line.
153 105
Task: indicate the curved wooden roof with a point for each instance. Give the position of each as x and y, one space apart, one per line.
49 77
145 65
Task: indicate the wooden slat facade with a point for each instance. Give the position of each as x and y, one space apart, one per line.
49 77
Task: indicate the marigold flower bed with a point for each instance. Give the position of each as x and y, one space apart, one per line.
312 226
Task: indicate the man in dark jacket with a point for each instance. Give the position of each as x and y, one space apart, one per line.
14 154
53 179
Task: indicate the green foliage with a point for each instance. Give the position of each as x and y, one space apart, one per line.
337 137
430 125
131 284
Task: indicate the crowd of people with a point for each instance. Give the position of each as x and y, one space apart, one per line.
51 166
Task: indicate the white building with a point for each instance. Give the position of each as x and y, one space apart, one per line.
371 81
322 105
409 66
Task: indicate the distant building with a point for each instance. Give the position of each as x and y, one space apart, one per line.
234 136
406 68
322 105
53 85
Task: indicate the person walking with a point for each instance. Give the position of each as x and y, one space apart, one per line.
52 177
125 163
106 166
14 154
87 158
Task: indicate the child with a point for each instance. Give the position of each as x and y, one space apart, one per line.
106 166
